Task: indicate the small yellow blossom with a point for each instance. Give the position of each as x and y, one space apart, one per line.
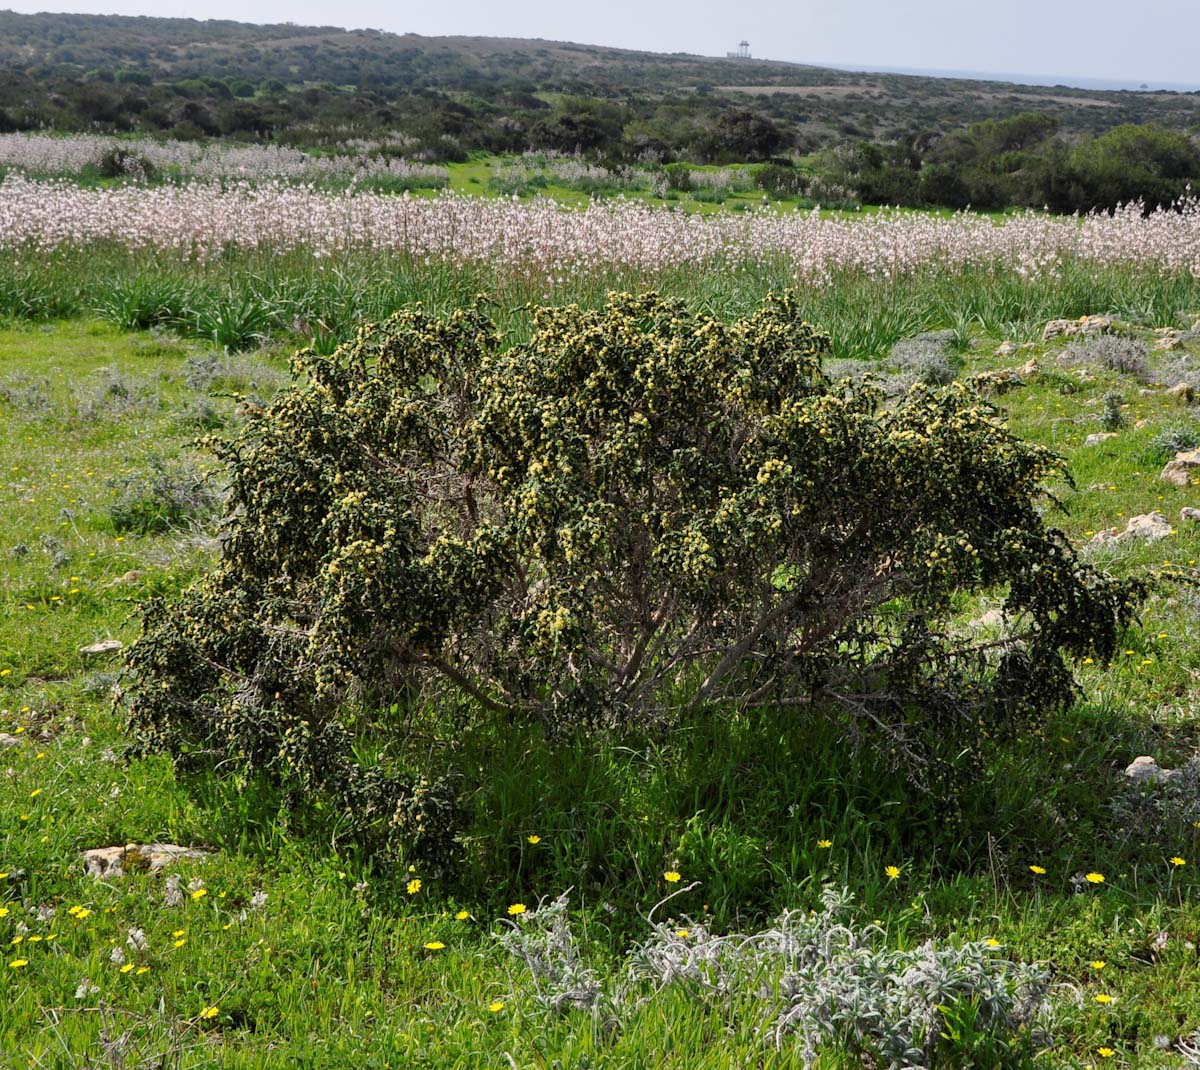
1105 1053
1037 869
515 909
180 942
824 844
1177 861
1095 878
496 1007
463 915
533 839
209 1012
1103 997
127 967
991 941
671 877
142 969
683 934
199 893
434 945
414 886
179 932
16 964
35 793
893 872
1097 964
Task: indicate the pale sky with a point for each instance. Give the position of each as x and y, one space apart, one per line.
1148 40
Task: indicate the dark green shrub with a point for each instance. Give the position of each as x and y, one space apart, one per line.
639 510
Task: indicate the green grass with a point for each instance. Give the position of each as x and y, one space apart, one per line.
332 968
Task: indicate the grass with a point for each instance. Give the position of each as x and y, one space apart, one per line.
332 966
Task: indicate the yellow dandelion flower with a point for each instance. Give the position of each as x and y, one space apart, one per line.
16 964
991 941
515 909
142 969
180 942
127 967
496 1007
824 844
1105 1053
683 934
1097 964
671 877
199 893
1102 997
434 945
1177 861
81 913
414 886
1039 870
533 839
893 872
1095 878
210 1012
35 793
3 912
463 915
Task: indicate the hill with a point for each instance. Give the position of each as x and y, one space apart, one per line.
288 81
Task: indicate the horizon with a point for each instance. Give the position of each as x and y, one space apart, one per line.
930 37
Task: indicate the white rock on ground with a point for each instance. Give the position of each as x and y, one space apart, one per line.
1149 526
1083 325
1144 768
1098 437
105 646
114 861
1183 469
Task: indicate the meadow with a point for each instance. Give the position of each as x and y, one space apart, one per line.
1050 911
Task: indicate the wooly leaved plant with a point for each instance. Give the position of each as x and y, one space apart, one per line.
639 510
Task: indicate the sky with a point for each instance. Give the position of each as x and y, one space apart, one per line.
1150 41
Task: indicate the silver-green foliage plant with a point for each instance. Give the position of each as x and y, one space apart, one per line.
637 511
810 983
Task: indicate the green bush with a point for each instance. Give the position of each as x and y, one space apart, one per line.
638 511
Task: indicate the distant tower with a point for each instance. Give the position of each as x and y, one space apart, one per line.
743 51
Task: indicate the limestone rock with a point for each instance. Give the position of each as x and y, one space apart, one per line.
105 646
154 857
1029 369
1184 392
1149 526
1168 338
9 740
1071 328
1006 349
1188 513
1144 768
1098 437
1181 471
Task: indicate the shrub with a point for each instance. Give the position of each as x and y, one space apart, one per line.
159 498
1125 356
1172 439
814 983
637 511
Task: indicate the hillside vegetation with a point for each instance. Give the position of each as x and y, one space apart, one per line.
895 138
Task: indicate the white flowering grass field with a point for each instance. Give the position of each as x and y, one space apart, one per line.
1060 903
